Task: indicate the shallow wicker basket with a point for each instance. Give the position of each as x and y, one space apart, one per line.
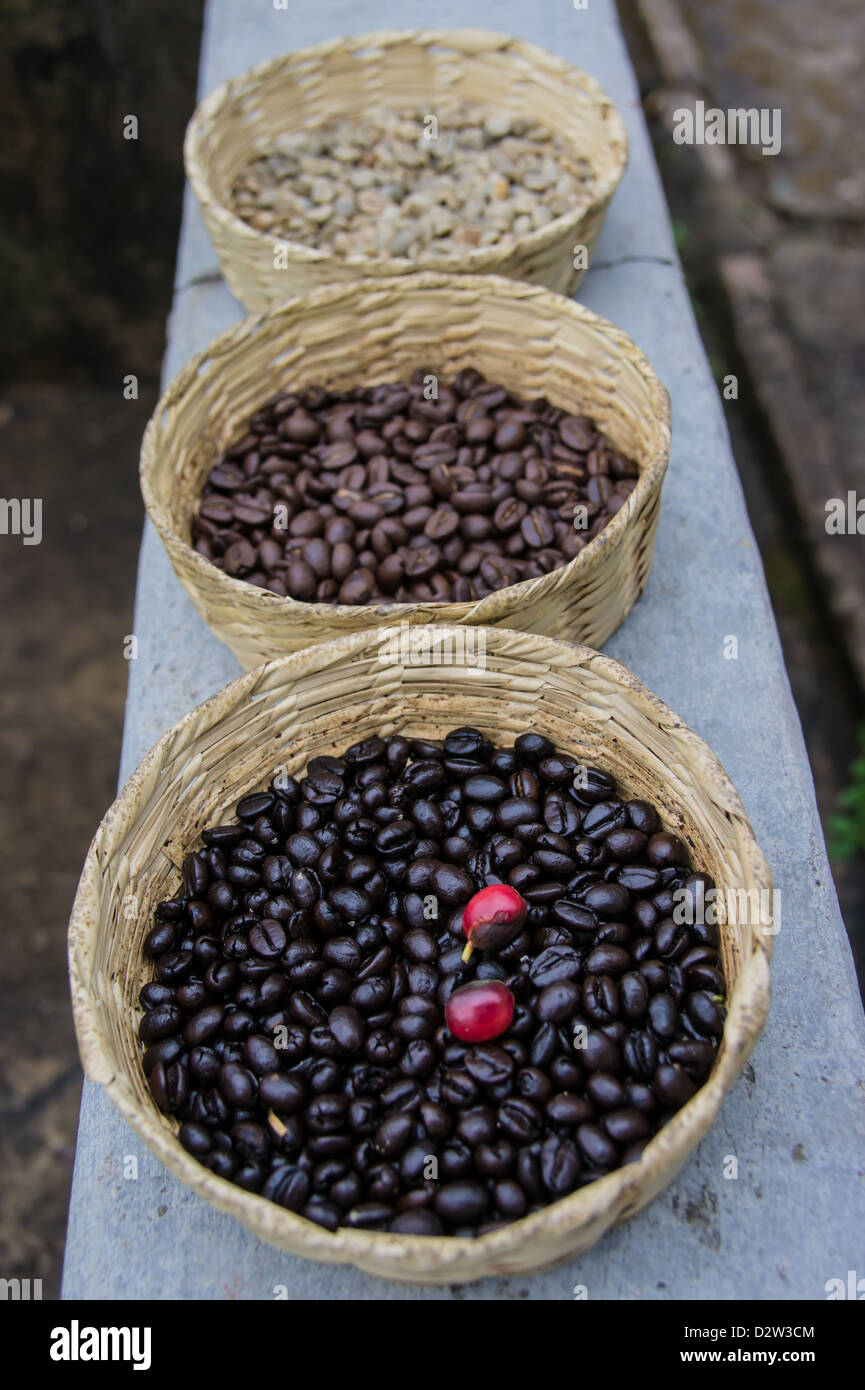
344 78
532 341
320 701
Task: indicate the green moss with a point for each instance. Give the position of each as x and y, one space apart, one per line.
847 826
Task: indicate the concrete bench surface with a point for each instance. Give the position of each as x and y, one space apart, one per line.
795 1215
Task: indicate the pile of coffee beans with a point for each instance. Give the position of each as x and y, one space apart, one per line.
295 1027
406 183
383 494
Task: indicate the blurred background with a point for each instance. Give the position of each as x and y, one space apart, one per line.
775 260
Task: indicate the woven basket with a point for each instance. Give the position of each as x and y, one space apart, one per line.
532 341
319 701
343 78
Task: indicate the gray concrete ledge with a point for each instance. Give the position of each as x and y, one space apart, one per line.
795 1215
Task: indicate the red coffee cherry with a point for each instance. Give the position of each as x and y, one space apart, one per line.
492 918
480 1011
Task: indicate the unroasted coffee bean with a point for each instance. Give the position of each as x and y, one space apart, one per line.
295 1027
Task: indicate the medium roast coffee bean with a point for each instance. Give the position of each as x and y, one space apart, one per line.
319 503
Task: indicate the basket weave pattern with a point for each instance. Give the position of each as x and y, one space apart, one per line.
532 341
316 702
346 77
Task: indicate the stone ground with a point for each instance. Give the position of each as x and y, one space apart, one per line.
774 260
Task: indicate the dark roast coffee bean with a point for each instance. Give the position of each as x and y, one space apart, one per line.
568 1109
608 900
663 1017
664 850
166 1051
284 1094
489 1064
520 1120
696 1057
597 1147
347 1027
705 1014
559 1165
601 998
554 964
607 960
557 1002
626 1126
296 1022
672 1086
169 1086
634 996
459 1203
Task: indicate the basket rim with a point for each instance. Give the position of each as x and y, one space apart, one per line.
648 484
463 1258
209 111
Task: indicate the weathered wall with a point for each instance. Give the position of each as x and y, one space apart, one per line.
89 224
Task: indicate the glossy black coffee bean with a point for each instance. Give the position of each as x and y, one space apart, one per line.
579 920
418 1221
608 900
283 1093
696 1057
706 1016
607 959
602 818
601 1002
663 1017
557 1002
664 849
458 1203
605 1091
640 1052
559 1165
565 1070
555 964
164 1021
638 878
166 1051
600 1054
634 996
519 1119
596 1146
569 1109
338 956
626 1126
169 1086
672 1085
